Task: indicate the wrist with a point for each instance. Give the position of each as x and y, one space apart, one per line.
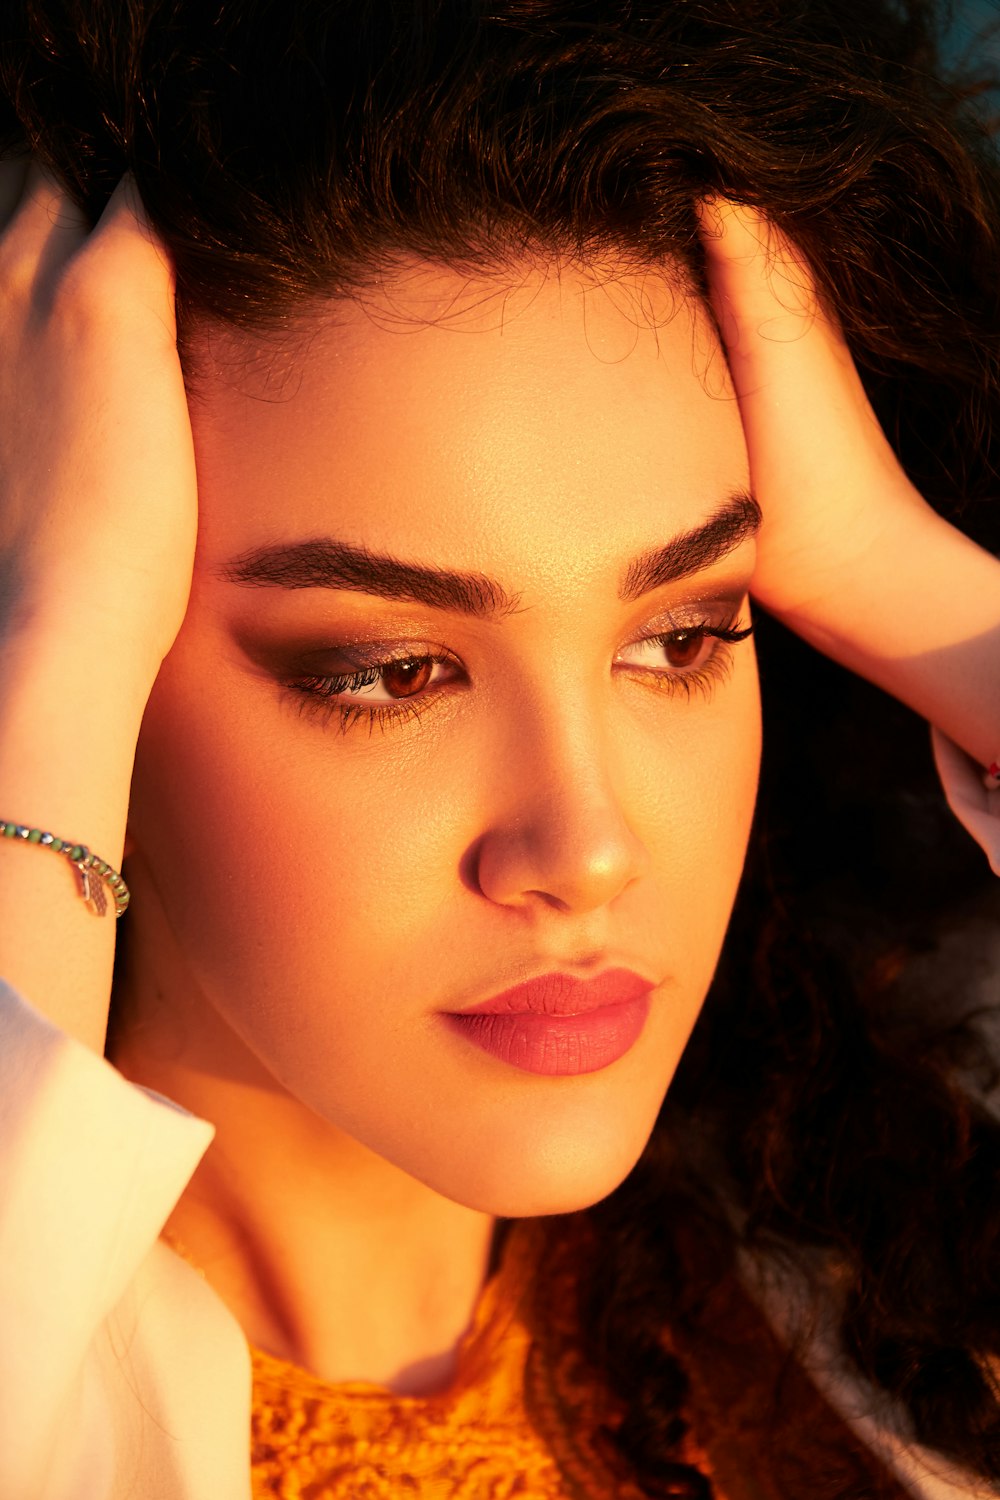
72 650
70 715
860 584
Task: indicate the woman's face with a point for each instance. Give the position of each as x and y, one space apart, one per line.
446 717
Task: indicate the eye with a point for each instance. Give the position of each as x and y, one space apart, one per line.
384 682
685 650
680 650
689 660
382 691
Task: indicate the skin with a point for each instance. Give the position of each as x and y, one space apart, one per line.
307 901
308 1213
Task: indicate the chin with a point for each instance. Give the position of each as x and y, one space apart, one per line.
557 1176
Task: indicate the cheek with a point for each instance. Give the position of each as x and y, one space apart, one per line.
695 792
281 850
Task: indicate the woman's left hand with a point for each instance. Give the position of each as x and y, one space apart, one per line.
850 555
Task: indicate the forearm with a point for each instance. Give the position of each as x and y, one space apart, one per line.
70 710
920 616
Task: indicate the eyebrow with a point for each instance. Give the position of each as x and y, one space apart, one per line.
694 551
326 563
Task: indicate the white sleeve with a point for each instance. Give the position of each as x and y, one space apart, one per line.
90 1168
977 809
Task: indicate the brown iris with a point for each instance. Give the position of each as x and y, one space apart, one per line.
405 678
683 648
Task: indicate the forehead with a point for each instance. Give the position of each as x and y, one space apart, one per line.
480 422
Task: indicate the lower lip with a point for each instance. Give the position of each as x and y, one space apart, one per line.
556 1046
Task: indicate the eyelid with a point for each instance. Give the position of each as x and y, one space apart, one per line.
703 590
348 657
686 615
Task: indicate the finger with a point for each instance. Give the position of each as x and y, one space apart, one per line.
800 393
128 249
46 211
759 281
44 229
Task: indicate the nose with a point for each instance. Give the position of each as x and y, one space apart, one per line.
563 840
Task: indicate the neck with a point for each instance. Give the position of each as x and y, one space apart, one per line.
326 1253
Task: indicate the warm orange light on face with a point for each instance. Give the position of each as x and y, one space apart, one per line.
354 813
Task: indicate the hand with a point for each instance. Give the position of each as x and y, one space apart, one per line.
850 555
98 511
826 478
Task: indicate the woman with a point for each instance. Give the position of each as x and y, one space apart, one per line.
416 591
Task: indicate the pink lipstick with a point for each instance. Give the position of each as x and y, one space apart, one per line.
559 1025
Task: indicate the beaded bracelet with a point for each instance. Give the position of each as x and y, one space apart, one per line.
93 873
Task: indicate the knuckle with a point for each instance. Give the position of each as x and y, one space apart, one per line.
100 279
84 296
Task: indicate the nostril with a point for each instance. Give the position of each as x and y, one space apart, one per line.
468 867
564 863
545 898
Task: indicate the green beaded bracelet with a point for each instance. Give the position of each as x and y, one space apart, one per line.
93 873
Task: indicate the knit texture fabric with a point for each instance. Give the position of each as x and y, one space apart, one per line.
523 1417
520 1418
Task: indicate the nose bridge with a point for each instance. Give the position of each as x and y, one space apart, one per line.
560 834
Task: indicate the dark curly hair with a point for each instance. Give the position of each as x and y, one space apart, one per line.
288 149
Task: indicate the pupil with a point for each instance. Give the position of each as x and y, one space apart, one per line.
683 648
404 678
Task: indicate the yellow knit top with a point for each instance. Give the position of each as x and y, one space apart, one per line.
517 1419
521 1417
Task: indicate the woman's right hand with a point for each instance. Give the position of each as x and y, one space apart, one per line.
849 554
98 511
98 518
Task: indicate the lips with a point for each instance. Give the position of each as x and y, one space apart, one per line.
565 995
559 1025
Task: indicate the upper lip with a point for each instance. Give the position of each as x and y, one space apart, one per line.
560 994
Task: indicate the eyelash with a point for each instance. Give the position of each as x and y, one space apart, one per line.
705 678
319 696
